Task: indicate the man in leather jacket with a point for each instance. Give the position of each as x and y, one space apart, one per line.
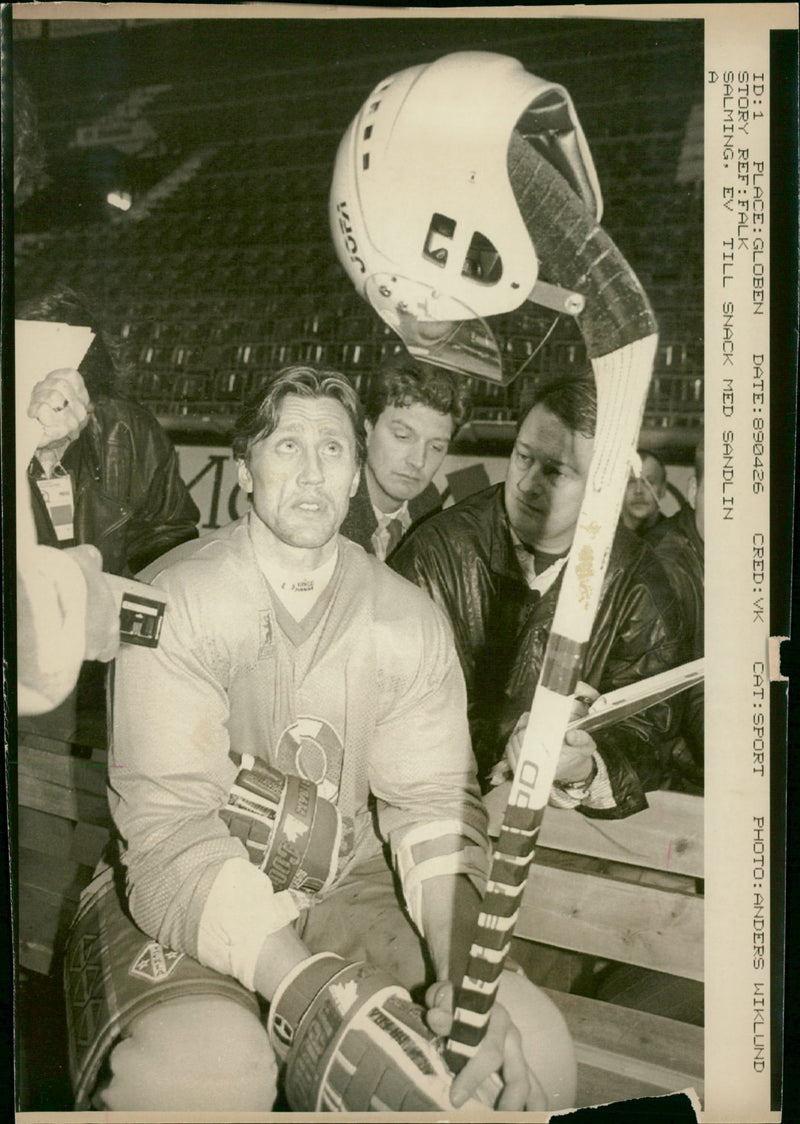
129 499
121 471
678 543
641 504
494 563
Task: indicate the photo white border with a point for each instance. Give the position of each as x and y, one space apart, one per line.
737 639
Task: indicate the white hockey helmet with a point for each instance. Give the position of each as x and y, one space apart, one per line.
423 215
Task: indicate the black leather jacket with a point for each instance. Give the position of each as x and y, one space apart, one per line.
680 550
130 501
465 558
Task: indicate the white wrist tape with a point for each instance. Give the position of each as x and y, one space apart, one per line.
241 911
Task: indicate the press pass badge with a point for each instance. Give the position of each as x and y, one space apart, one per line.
57 494
141 611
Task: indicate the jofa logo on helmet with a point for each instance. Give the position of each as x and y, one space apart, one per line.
350 244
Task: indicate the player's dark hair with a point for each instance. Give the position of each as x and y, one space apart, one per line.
573 400
402 381
102 363
260 417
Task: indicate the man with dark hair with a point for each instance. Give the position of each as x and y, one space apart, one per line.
678 543
302 719
494 563
641 504
412 412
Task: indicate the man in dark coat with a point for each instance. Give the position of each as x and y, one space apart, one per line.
494 563
412 412
128 496
641 504
678 543
121 484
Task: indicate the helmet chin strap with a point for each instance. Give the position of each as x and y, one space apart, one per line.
557 298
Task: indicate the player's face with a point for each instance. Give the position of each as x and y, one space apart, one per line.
302 476
405 449
643 492
545 481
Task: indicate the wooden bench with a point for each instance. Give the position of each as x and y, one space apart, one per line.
63 825
621 890
628 891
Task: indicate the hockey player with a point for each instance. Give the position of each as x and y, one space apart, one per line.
303 716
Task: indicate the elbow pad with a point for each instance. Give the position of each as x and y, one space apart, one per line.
429 850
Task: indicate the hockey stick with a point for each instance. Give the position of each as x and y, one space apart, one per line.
619 329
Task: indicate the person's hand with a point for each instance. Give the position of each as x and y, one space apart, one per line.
330 1007
60 403
102 610
575 760
499 1054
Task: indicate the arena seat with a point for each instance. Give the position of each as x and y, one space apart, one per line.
231 387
